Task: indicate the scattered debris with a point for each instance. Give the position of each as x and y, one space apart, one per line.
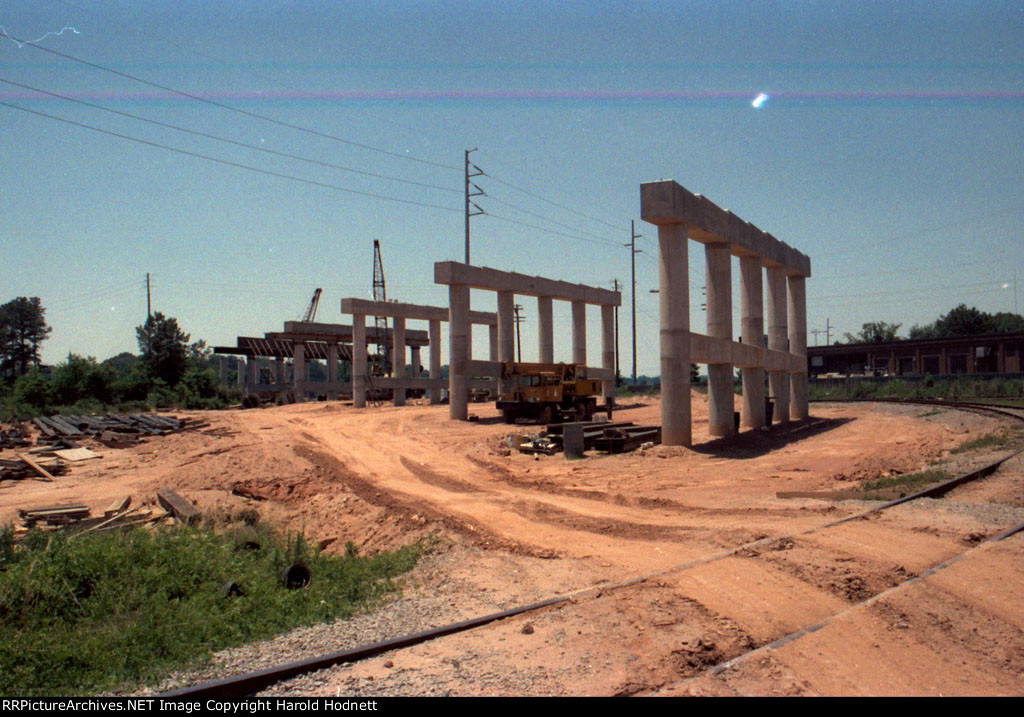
76 454
619 437
46 475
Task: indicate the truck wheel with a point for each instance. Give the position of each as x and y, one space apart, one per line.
589 411
547 415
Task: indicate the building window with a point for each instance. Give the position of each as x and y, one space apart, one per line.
905 365
930 364
958 363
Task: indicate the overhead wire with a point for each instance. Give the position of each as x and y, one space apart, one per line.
226 140
229 163
238 110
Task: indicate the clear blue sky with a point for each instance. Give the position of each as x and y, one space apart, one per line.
890 150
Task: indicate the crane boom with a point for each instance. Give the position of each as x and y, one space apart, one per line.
380 294
313 304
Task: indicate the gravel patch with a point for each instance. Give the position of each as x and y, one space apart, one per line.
430 597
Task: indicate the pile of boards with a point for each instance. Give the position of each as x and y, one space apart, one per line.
607 436
75 517
113 427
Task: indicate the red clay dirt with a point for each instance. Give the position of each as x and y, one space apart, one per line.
523 528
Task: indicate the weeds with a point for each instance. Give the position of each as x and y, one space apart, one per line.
898 486
96 612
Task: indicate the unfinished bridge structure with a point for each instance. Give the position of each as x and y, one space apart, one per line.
680 216
460 278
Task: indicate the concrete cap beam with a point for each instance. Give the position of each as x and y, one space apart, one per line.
481 277
666 202
420 312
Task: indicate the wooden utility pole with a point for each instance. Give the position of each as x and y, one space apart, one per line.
149 303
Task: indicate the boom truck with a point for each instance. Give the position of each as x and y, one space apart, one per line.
550 392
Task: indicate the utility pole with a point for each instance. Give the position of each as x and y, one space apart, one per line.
828 332
618 373
816 332
633 251
518 319
149 302
476 172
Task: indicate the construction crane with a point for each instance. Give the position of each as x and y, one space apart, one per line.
380 294
313 304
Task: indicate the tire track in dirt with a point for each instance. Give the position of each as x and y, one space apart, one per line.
328 466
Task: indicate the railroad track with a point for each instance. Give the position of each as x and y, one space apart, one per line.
252 682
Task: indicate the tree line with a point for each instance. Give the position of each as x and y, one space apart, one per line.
960 321
170 370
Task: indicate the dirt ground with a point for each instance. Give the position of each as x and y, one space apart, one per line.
731 569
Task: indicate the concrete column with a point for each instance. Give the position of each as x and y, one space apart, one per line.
752 326
398 358
492 341
359 360
546 332
579 333
299 378
718 278
252 374
506 326
435 360
332 370
778 339
240 371
415 361
458 351
608 351
674 299
279 370
222 366
798 410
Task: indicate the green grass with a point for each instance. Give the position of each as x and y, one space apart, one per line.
105 610
1008 390
992 440
898 486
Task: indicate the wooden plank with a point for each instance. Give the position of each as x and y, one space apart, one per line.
177 506
77 454
118 506
53 510
35 466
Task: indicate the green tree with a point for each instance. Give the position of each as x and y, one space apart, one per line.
33 389
874 332
164 348
22 330
80 378
963 321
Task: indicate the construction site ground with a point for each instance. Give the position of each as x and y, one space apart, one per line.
729 567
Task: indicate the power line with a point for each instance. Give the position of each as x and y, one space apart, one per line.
549 231
543 218
231 164
238 110
528 193
230 141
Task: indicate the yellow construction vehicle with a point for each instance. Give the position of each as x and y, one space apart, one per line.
550 392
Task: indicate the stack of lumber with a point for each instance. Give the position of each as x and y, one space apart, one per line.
112 426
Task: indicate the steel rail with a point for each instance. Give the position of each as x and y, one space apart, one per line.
251 682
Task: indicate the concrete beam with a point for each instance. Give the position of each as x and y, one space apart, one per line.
435 360
579 333
359 361
665 202
752 328
481 277
398 310
718 279
674 299
545 330
458 351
